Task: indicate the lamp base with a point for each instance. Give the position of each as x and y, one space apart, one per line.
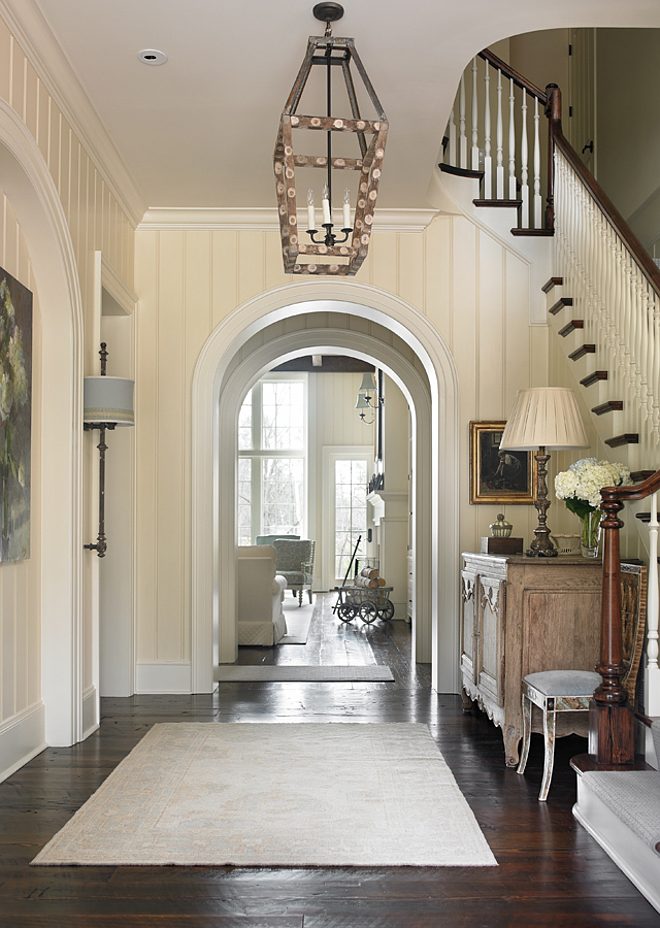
542 545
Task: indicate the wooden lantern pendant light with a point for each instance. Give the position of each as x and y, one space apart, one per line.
331 251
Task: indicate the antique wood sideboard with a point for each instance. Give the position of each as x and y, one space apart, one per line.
521 615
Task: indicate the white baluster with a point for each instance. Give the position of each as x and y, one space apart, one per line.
499 172
488 160
475 118
462 138
512 142
524 155
537 168
652 670
452 138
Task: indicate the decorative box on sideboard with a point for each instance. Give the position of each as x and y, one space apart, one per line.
521 615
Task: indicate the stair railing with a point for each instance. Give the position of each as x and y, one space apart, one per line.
614 283
502 97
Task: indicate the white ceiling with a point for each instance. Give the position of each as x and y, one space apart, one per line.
200 130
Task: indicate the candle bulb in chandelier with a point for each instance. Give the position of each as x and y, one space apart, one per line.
347 208
325 203
311 219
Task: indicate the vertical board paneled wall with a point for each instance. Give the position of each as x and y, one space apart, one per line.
475 291
96 222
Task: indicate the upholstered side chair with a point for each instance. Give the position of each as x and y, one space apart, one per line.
295 561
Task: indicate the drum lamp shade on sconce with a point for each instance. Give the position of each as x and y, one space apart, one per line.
108 404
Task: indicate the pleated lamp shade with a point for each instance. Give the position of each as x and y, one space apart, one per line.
109 400
544 417
368 384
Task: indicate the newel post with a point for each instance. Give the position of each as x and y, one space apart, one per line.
553 112
611 720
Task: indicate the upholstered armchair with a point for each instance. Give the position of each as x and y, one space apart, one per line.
260 593
295 561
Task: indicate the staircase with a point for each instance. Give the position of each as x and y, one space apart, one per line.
603 302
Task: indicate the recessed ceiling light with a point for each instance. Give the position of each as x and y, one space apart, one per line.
152 56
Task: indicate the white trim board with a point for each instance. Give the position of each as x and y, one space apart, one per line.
183 219
163 677
22 738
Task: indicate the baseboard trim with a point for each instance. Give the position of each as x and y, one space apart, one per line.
155 677
22 737
89 713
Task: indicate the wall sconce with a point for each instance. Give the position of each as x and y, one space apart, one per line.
108 403
369 397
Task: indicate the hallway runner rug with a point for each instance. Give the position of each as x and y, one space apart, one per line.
268 795
307 673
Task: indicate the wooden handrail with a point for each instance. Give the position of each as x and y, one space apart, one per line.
558 139
514 75
640 491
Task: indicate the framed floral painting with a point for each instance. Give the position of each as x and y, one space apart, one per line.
15 417
502 477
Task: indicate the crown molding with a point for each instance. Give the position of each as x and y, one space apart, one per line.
31 30
183 219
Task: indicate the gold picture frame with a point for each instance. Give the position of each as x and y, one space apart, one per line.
499 478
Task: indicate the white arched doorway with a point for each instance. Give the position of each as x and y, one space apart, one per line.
26 180
223 374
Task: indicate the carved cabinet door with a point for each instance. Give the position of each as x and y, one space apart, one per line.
489 658
469 585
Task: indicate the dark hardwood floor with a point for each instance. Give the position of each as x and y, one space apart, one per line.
550 873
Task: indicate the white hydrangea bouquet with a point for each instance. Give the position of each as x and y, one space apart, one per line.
580 487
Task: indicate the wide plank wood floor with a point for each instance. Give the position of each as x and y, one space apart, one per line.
551 873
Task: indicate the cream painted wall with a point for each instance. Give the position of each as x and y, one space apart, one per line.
474 289
95 222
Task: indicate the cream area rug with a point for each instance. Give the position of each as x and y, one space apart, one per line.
305 673
268 795
298 619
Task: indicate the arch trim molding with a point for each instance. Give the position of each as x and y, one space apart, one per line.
213 552
27 182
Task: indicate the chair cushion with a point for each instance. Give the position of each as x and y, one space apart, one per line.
564 682
296 577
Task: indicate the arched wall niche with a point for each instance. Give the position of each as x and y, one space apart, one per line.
224 372
27 182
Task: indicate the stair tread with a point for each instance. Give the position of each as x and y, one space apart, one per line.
538 233
610 406
552 283
593 378
627 438
580 352
559 305
637 476
460 172
510 203
571 326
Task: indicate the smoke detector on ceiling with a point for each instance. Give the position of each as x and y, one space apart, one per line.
152 56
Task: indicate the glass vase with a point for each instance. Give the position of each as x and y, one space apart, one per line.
590 534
